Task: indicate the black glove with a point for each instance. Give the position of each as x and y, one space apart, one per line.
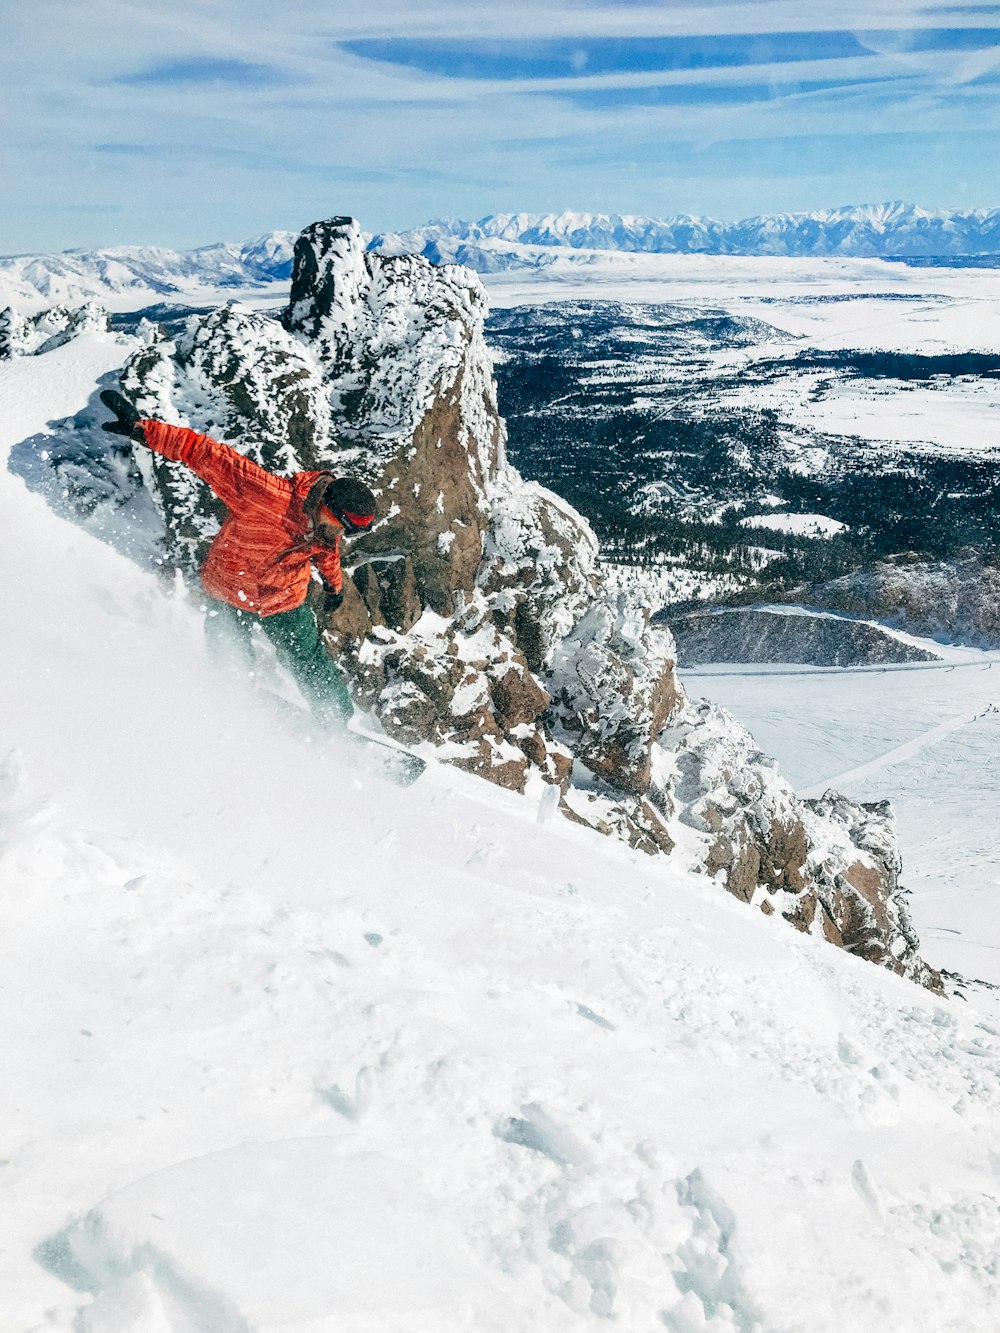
331 600
127 418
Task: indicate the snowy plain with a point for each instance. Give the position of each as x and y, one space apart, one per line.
826 304
289 1049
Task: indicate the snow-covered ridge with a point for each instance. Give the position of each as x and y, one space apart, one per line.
890 229
133 275
138 274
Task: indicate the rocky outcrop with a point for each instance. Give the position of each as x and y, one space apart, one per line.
475 617
22 335
410 382
463 686
476 621
753 634
614 689
955 600
829 866
539 572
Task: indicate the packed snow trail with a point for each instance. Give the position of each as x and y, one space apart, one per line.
894 756
981 662
289 1049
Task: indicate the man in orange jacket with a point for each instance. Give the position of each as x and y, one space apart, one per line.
259 565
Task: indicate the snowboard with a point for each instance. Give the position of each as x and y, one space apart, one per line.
397 763
401 764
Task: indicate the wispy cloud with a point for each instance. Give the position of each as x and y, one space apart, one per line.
715 94
200 121
202 71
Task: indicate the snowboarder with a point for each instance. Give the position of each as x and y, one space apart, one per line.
258 568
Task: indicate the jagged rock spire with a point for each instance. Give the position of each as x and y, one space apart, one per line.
329 275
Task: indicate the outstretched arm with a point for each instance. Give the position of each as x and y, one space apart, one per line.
235 479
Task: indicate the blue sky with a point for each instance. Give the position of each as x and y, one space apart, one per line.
183 123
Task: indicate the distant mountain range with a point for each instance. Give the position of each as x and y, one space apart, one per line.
893 230
132 275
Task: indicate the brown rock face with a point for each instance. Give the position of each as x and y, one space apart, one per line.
741 864
517 696
772 858
490 760
859 890
784 856
633 821
406 713
859 903
390 592
870 883
349 624
366 581
434 511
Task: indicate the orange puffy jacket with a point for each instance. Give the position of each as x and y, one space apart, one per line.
260 558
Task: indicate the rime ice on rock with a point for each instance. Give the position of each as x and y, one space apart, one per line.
34 335
410 384
539 571
614 685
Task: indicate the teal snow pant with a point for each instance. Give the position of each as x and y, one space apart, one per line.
299 645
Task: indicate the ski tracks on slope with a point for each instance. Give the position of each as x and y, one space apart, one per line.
894 756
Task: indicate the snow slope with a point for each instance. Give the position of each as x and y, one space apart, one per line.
289 1049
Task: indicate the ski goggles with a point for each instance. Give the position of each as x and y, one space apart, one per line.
348 521
354 522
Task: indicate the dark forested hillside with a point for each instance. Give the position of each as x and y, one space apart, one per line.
629 411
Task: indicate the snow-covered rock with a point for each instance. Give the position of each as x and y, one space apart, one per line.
613 681
463 686
22 335
829 866
539 572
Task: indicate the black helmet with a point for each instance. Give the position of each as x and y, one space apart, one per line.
350 501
